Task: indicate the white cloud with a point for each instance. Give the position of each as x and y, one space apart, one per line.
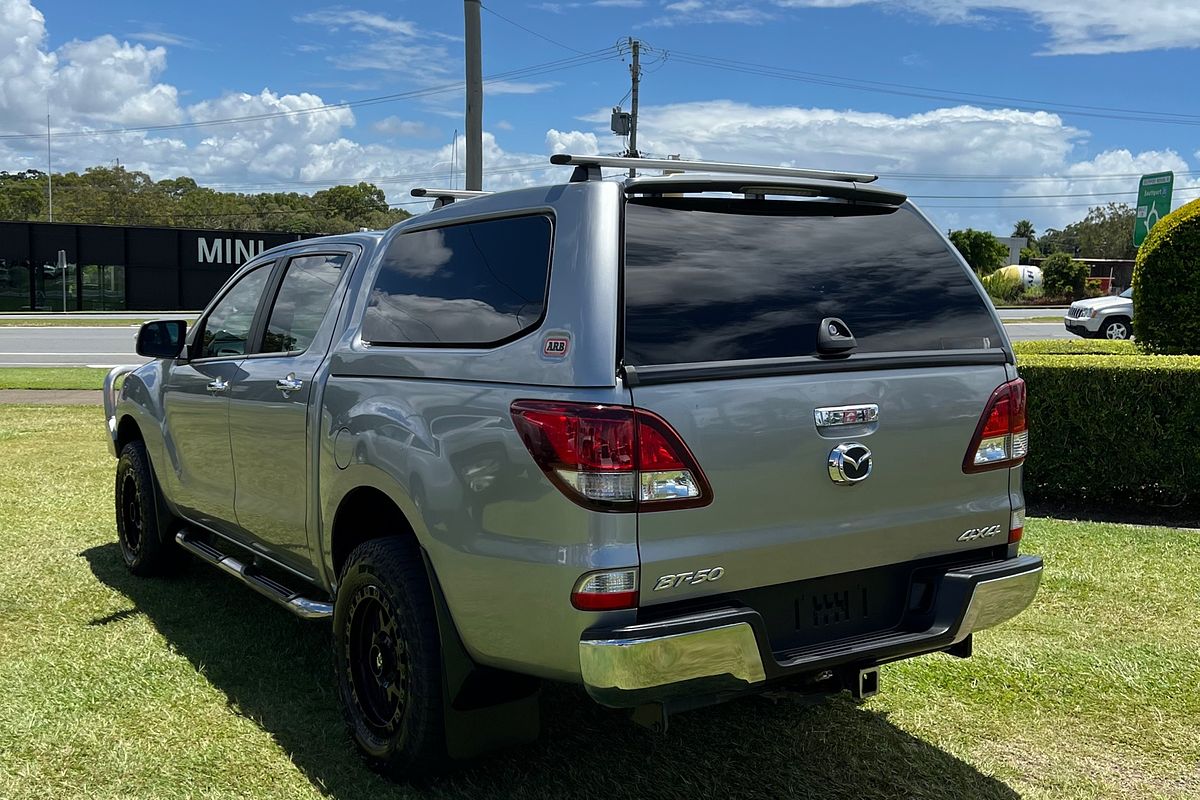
1074 27
338 18
154 36
691 12
394 126
389 44
517 87
619 3
576 142
1096 26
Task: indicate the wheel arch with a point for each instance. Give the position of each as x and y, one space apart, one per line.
128 431
364 513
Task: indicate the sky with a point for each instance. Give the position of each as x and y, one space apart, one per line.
983 111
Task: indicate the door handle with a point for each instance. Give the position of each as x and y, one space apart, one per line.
289 384
218 385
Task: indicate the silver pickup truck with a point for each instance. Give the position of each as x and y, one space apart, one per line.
676 439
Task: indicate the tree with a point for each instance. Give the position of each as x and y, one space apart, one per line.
1106 232
1063 275
117 196
352 203
981 249
1024 230
1028 254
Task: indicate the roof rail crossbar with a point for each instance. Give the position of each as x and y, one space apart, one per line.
444 197
588 167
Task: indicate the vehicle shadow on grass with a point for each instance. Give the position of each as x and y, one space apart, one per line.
275 669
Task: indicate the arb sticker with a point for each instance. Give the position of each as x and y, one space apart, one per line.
556 345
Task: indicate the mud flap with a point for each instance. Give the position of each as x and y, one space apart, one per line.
485 709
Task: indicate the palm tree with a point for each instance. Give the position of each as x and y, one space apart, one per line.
1024 229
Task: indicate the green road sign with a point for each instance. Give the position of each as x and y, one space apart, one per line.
1154 203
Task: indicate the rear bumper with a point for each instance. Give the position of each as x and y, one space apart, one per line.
725 651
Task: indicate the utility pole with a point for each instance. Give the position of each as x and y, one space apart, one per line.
49 168
474 58
635 72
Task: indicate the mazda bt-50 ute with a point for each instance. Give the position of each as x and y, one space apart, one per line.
676 439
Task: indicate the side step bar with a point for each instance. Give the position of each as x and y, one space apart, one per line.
300 606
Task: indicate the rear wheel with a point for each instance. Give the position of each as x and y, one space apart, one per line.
144 524
1115 328
387 658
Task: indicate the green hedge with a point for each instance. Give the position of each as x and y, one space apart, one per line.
1075 347
1111 430
1166 284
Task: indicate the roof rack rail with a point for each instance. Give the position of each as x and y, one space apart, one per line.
444 197
588 168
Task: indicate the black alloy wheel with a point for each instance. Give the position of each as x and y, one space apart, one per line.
388 659
376 661
144 524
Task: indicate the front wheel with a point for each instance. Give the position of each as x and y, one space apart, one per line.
387 657
144 525
1116 329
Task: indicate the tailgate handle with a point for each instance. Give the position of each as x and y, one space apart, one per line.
834 338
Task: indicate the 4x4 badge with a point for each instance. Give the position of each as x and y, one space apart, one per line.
849 463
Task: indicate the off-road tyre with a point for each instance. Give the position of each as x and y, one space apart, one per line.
387 659
145 526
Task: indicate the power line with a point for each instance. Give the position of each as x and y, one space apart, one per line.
529 30
596 56
906 90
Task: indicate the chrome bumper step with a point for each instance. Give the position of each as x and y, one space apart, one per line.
247 574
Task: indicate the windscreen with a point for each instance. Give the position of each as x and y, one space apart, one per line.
713 279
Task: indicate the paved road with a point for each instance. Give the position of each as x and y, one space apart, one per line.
64 346
1034 311
105 315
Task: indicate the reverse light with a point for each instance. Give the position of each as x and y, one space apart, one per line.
1016 525
611 458
606 591
1002 436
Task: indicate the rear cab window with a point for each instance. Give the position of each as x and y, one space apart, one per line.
471 284
712 279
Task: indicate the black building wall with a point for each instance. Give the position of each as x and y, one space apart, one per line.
161 269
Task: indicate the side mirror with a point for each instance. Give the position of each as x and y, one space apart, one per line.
162 338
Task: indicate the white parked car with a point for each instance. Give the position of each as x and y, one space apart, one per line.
1102 317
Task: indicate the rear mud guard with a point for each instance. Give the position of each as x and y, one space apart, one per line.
486 709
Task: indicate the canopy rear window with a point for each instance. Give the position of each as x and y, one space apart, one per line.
716 279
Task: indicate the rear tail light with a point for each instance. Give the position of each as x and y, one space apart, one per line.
1016 526
606 591
1001 438
611 458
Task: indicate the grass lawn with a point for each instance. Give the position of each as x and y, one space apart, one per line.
51 377
197 687
1024 320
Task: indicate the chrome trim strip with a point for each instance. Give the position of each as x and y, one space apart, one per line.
830 416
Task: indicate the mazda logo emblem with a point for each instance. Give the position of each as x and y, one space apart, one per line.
849 463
